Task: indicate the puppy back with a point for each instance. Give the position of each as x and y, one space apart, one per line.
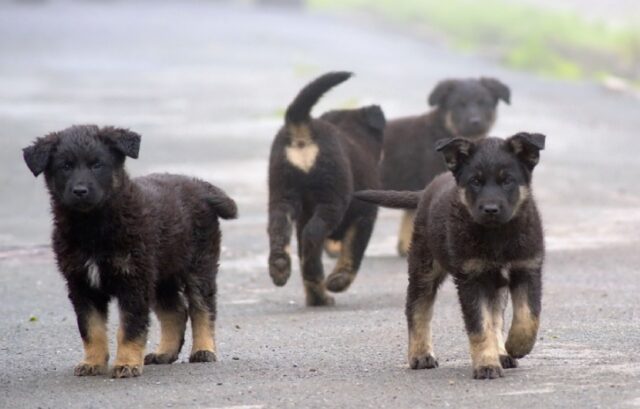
299 111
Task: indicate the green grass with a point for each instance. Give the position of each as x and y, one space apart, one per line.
551 43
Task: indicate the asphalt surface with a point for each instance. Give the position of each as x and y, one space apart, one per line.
206 84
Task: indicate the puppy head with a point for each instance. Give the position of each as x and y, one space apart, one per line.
369 120
83 165
469 106
493 175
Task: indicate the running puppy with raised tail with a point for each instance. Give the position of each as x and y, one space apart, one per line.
315 166
464 108
149 242
480 224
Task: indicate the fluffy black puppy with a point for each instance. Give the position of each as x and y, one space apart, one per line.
480 224
462 108
315 165
149 242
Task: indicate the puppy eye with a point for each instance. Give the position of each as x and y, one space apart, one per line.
475 182
96 166
66 166
508 181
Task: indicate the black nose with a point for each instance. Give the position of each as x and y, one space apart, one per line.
491 209
80 191
475 121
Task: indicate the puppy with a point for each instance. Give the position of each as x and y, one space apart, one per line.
315 165
480 224
152 241
463 108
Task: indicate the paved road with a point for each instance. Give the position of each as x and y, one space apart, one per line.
206 84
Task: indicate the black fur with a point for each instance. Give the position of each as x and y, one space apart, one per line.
152 241
315 165
474 223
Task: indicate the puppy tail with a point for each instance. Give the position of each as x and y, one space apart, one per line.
223 205
299 111
390 198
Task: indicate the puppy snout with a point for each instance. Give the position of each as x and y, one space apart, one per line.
475 121
490 209
80 191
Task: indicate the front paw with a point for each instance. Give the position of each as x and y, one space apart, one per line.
88 369
427 361
488 372
508 362
126 371
279 268
160 359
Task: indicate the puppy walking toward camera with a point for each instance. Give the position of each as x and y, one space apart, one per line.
315 165
480 224
149 242
462 108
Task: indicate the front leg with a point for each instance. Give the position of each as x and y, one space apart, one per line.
477 298
132 333
281 214
526 294
91 310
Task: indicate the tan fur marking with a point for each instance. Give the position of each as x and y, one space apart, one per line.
524 326
203 333
406 231
333 247
476 265
96 347
130 352
172 326
345 261
484 346
420 337
497 317
303 152
450 125
523 195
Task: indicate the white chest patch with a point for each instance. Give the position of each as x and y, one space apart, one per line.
93 273
302 157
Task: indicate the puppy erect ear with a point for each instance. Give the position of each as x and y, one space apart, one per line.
38 154
439 94
123 140
456 152
497 89
527 147
375 117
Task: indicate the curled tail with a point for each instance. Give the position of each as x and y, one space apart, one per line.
391 198
223 205
299 111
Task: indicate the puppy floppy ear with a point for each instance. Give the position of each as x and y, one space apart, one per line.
497 89
527 147
37 155
439 94
375 117
123 140
456 152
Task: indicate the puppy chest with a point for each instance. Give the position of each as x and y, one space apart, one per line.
101 273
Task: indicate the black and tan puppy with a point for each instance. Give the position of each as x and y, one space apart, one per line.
315 165
462 108
149 242
480 224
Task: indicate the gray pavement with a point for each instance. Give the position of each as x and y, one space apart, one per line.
206 83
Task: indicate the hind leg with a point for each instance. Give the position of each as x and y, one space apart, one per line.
406 231
172 313
201 294
281 215
354 245
311 237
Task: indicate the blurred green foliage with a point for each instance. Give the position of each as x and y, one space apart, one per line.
528 37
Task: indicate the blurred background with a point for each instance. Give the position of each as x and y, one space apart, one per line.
206 84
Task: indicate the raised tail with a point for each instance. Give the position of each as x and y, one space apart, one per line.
223 205
299 111
391 198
